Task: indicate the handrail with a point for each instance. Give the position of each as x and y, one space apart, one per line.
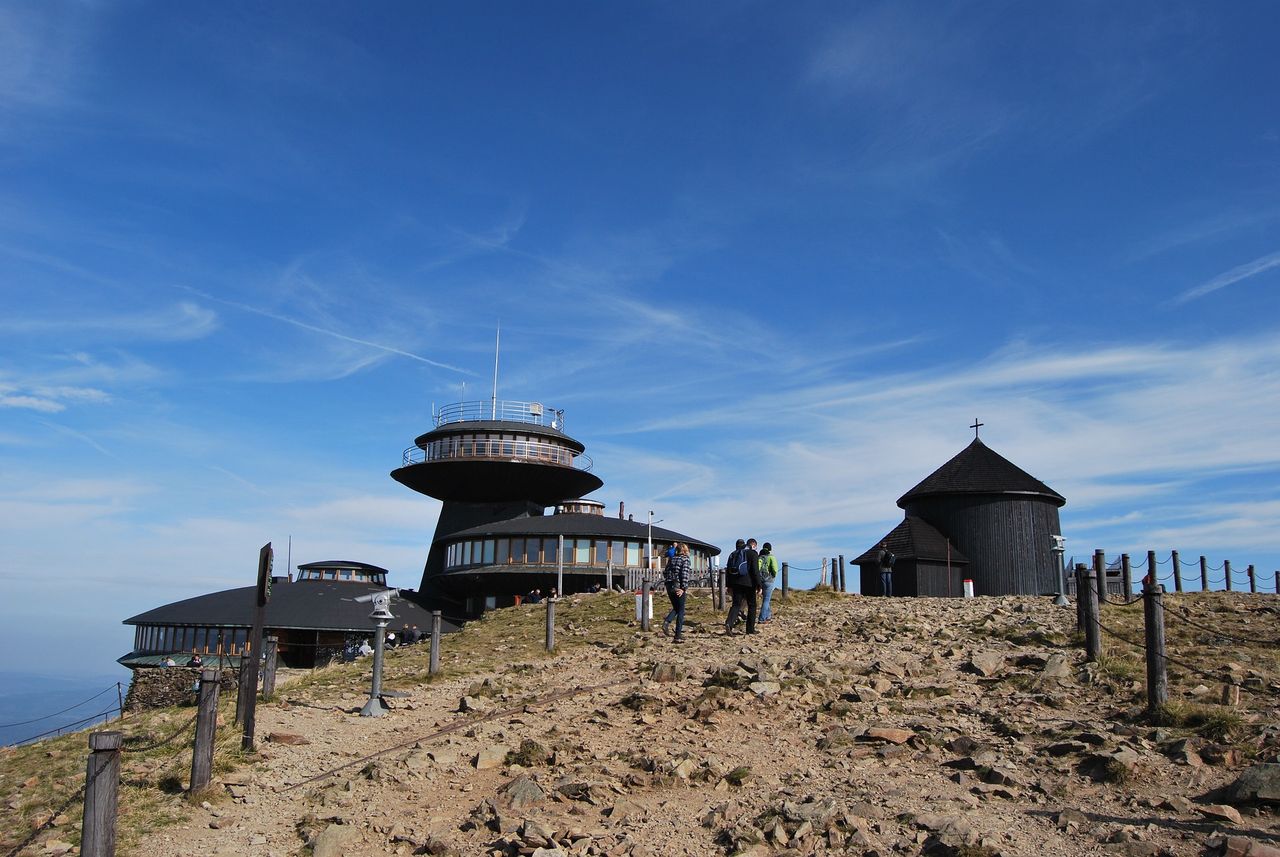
518 451
531 413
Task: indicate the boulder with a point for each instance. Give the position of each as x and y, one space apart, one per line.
1258 784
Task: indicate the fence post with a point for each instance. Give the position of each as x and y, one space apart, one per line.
1157 677
435 643
644 606
1153 570
206 730
843 588
1226 565
101 785
269 666
1079 573
1177 573
786 579
1092 630
1204 574
551 624
720 588
1126 576
1253 581
608 577
1278 581
1100 574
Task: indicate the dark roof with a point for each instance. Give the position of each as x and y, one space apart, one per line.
914 538
345 563
575 524
320 605
978 469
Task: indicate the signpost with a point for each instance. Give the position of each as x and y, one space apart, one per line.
247 708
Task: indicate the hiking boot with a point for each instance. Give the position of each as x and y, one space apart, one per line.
679 638
666 627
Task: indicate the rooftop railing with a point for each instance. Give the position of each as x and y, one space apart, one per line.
531 413
519 451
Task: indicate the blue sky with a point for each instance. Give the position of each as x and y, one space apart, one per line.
771 259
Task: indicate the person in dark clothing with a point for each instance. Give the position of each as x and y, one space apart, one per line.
743 576
885 560
676 577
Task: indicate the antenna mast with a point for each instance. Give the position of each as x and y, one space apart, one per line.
497 341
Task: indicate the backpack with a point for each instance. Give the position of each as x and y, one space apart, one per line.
766 567
888 560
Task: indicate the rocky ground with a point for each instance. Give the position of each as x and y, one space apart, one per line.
847 725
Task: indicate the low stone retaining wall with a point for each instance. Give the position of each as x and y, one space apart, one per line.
160 687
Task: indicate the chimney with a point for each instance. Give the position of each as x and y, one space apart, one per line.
622 509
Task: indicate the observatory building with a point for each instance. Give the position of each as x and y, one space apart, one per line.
497 467
978 517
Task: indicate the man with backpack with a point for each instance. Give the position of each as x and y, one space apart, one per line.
885 560
742 573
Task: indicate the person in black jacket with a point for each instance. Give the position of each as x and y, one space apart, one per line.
885 560
743 576
676 577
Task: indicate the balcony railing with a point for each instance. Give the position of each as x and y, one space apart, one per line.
519 451
531 413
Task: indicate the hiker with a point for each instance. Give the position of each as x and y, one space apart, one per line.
535 596
743 576
768 574
885 560
196 661
676 577
365 649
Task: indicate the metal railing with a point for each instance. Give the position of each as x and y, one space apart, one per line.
531 413
520 451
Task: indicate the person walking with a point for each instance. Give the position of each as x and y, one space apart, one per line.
676 577
768 574
885 560
744 583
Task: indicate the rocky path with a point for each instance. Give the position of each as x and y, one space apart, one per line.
848 725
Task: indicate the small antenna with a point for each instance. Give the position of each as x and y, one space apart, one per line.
497 341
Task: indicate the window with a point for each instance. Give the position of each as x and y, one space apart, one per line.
618 553
582 552
488 552
549 548
346 574
633 554
503 556
491 602
331 574
602 552
517 550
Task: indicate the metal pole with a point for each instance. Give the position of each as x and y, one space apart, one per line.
1157 677
101 785
608 577
435 643
375 707
1058 553
551 624
206 730
786 579
1177 572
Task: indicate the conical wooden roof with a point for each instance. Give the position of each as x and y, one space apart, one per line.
978 469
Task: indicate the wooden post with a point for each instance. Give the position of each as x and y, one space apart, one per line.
1152 570
1278 581
101 787
1204 574
786 579
1126 576
644 605
1092 630
721 583
270 650
1157 677
1226 566
822 581
1253 581
435 643
842 581
1177 573
1100 574
551 624
248 703
206 730
1079 573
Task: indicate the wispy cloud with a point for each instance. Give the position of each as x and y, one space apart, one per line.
302 325
181 322
48 400
1235 275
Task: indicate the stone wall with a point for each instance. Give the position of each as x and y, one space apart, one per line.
160 687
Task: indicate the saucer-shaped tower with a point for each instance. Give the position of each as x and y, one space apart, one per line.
488 462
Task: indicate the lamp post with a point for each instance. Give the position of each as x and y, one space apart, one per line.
1059 548
651 523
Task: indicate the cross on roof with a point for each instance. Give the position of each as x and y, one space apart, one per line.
976 425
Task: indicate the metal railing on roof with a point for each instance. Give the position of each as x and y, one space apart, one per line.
518 451
531 413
